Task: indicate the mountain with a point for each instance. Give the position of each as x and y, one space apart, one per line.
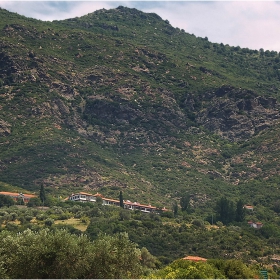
121 100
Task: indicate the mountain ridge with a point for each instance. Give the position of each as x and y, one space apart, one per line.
120 99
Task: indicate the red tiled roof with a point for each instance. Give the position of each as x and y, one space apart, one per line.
138 204
84 193
17 194
195 259
126 202
98 194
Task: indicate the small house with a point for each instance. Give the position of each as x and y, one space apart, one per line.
19 196
256 225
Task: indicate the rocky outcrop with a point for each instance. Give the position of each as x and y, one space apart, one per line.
237 114
5 128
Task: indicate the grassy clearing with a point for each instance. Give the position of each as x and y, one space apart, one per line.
76 223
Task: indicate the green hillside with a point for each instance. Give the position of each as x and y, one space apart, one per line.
121 100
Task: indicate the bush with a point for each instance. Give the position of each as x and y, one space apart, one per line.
49 222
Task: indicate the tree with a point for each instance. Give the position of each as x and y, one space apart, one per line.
225 210
234 269
121 200
49 222
175 208
2 271
57 254
45 254
183 269
6 201
42 194
34 201
276 206
185 202
124 215
147 259
99 200
240 211
115 257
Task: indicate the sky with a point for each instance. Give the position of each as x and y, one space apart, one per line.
248 24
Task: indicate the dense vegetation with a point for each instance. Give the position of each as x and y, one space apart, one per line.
159 239
120 100
98 103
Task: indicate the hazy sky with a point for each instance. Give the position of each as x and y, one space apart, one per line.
248 24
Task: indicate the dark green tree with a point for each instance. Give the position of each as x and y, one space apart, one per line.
234 269
45 254
34 201
115 257
175 208
121 200
99 201
6 201
147 259
225 210
185 202
42 194
240 211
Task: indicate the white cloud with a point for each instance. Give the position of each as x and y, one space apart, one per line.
248 24
54 10
240 23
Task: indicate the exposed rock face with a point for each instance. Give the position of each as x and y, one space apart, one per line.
5 128
237 114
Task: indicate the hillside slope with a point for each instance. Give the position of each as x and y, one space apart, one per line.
120 99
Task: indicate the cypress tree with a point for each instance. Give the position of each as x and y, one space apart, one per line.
225 210
121 200
42 194
240 212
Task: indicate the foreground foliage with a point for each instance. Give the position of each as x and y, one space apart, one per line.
61 255
161 238
43 239
57 254
212 269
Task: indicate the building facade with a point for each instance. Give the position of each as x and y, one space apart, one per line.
87 197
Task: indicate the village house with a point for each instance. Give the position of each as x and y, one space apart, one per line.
82 197
19 196
249 207
137 206
256 225
87 197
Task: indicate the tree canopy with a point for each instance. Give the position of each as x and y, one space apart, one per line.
61 255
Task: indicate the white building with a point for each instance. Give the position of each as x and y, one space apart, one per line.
87 197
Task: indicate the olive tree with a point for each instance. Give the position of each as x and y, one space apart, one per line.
115 257
58 254
44 254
